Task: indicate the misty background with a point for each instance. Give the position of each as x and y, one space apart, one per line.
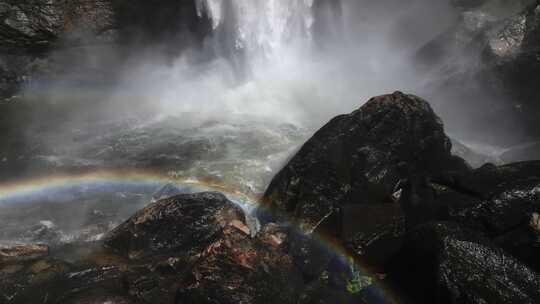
118 75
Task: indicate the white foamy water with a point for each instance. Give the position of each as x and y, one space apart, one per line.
262 28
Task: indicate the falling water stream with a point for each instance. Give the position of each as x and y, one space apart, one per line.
261 28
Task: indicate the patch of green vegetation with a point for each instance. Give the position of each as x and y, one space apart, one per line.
358 282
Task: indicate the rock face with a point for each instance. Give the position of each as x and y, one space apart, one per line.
456 265
511 59
508 210
486 252
343 180
31 29
489 179
512 206
187 249
379 178
181 223
35 25
358 159
204 252
488 63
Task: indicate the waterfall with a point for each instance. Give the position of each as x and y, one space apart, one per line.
264 58
260 29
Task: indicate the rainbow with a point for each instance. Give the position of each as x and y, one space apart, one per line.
15 190
40 185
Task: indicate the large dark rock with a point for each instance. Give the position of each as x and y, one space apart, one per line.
155 21
487 63
443 263
193 249
511 59
184 223
491 198
55 281
41 41
35 25
509 218
238 269
506 210
358 159
344 181
489 179
500 201
29 29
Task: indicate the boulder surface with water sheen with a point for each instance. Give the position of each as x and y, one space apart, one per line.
181 223
191 248
444 263
345 179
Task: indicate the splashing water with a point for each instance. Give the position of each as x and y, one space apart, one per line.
261 28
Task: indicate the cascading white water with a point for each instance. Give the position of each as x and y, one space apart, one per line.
261 28
290 61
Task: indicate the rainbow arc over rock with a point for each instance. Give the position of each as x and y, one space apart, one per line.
41 186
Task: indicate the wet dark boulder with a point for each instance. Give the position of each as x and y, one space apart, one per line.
54 281
197 248
358 159
42 41
238 269
484 27
444 263
155 21
512 64
36 25
180 224
30 29
523 241
346 180
373 232
506 210
490 179
509 219
434 201
88 285
230 267
29 280
499 201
